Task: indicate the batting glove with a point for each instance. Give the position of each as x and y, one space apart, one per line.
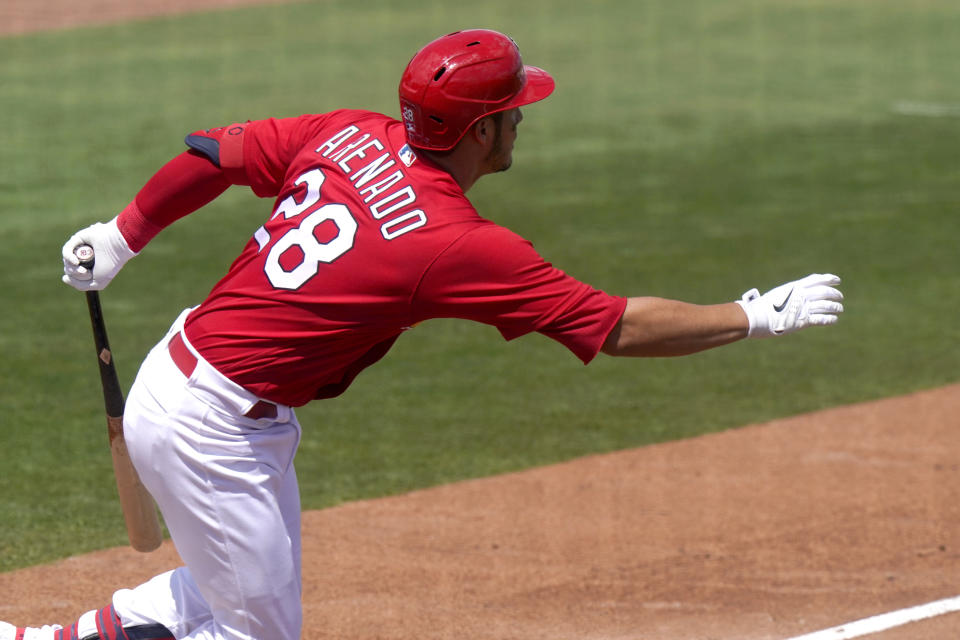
810 301
110 250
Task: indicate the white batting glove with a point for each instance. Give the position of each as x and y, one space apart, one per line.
110 250
810 301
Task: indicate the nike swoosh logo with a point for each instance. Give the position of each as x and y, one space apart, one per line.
783 305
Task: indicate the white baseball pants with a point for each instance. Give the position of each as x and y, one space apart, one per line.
227 489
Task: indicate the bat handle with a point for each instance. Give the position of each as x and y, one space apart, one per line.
85 255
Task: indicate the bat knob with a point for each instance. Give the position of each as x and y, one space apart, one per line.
85 255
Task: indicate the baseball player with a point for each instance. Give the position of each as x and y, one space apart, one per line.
370 233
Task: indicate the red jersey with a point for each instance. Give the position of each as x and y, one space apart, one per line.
366 240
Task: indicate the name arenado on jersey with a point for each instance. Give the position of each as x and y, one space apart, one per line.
384 197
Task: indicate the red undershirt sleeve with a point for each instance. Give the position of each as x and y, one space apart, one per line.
254 154
183 185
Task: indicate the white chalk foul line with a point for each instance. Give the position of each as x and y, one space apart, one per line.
885 621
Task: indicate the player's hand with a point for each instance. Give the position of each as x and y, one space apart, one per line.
110 250
810 301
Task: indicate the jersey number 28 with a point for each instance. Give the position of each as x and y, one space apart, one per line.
302 236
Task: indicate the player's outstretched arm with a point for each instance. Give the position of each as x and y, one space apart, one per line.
658 327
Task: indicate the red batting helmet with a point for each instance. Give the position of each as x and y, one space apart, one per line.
459 78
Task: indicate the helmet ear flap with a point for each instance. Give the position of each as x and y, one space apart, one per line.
457 79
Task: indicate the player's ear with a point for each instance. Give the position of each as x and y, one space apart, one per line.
483 130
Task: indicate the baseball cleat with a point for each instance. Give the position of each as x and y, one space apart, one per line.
10 632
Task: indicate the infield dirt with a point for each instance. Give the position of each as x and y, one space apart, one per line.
760 533
763 532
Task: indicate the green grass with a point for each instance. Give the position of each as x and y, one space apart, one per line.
692 150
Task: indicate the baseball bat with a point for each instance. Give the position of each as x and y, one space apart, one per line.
139 510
